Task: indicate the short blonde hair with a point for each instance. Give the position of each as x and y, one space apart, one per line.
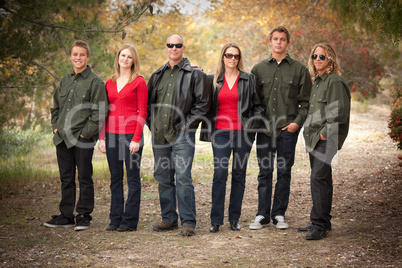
135 68
220 67
333 65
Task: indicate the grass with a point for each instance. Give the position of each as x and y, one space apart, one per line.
19 167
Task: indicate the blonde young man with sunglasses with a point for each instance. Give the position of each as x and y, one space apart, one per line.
325 131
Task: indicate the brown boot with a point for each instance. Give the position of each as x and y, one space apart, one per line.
187 230
164 226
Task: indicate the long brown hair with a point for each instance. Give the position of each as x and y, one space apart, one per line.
135 68
333 65
220 67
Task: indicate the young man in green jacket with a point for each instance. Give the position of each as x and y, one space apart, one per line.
78 113
325 131
284 86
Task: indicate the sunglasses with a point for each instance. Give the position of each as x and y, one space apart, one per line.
322 57
231 56
174 45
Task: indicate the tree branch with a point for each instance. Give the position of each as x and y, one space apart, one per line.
53 26
37 64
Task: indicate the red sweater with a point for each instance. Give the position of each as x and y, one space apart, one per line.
227 111
127 108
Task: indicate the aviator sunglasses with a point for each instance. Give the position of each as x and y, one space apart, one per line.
322 57
169 45
231 56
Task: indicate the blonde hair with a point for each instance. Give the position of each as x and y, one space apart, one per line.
333 65
220 67
135 68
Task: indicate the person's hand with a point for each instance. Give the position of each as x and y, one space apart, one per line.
102 146
54 131
134 147
322 137
292 127
82 136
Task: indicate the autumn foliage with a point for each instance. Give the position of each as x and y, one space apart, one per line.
395 122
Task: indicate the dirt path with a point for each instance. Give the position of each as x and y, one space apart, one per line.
366 218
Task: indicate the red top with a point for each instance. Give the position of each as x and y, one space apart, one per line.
228 109
127 108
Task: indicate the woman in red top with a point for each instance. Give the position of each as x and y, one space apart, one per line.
234 114
121 137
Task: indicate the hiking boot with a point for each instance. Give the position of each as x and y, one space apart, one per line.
59 221
164 226
310 227
126 229
316 233
259 222
187 230
111 227
280 222
82 223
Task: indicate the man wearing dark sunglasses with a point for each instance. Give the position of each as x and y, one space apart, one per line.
178 98
284 86
325 131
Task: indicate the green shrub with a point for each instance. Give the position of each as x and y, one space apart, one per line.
395 122
17 142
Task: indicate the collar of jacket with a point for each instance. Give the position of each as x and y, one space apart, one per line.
186 66
287 58
242 75
322 77
84 73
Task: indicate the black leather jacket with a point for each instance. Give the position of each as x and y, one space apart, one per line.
191 99
251 109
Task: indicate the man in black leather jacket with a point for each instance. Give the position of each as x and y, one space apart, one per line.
178 99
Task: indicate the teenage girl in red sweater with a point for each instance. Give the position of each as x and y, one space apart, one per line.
121 137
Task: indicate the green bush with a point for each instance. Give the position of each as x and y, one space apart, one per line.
17 142
395 122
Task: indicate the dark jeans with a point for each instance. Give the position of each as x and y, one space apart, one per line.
321 182
118 154
68 159
170 160
284 146
223 144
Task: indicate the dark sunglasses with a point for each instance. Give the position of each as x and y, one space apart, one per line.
231 56
174 45
322 57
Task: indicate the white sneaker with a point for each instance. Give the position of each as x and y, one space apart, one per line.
259 222
280 222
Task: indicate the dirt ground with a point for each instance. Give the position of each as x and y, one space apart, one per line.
366 217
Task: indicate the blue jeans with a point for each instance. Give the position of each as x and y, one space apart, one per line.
118 153
69 159
284 146
176 160
223 144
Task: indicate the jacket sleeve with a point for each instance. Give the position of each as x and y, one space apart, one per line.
201 104
258 106
55 110
304 96
206 124
150 87
98 111
337 110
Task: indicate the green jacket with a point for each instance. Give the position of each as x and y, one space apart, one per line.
329 111
80 107
285 91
